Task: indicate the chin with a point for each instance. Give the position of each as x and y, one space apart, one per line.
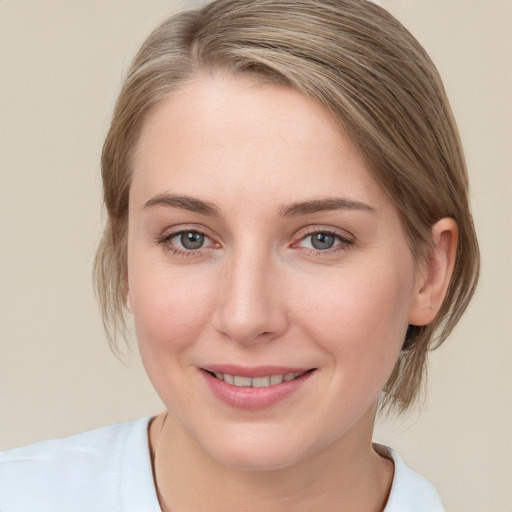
267 459
257 449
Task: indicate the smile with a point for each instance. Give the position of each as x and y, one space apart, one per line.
257 382
255 388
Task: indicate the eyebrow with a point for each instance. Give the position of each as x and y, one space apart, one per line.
323 205
295 209
184 203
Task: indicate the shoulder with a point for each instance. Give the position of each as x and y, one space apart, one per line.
409 490
80 472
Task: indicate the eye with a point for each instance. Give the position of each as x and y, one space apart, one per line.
185 241
190 240
324 241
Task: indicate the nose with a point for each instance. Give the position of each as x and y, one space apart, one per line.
250 305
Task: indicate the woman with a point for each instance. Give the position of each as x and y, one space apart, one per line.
289 227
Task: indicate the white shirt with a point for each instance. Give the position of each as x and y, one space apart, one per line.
109 470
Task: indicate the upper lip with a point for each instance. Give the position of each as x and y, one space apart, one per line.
254 371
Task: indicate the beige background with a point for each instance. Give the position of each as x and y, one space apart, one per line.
61 65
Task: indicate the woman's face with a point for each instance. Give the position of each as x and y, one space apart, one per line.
261 250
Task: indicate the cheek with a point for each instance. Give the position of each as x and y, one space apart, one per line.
360 318
170 309
170 315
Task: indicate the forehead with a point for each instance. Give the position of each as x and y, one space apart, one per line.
232 135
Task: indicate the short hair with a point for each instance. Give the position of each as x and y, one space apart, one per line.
370 73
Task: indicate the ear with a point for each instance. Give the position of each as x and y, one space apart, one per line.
435 274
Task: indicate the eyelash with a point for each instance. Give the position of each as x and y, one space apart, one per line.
344 242
165 239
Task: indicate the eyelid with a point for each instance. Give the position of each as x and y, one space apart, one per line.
345 238
165 239
311 230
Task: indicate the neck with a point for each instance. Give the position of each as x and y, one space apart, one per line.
346 475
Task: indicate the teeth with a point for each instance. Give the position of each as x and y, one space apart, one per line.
276 379
242 381
260 382
257 382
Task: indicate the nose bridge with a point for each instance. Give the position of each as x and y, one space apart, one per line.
250 306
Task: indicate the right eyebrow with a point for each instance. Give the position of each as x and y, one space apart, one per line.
184 203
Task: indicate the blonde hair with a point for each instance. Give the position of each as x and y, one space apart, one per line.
376 80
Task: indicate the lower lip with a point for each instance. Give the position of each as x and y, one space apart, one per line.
250 398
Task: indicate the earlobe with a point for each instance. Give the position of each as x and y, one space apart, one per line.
434 278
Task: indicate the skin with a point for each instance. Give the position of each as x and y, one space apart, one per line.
257 293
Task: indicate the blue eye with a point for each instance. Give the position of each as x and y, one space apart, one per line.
185 242
190 240
322 241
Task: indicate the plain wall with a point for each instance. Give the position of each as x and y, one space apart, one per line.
61 64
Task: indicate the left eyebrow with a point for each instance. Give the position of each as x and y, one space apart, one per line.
323 205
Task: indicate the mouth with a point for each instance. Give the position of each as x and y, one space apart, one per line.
258 382
256 388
